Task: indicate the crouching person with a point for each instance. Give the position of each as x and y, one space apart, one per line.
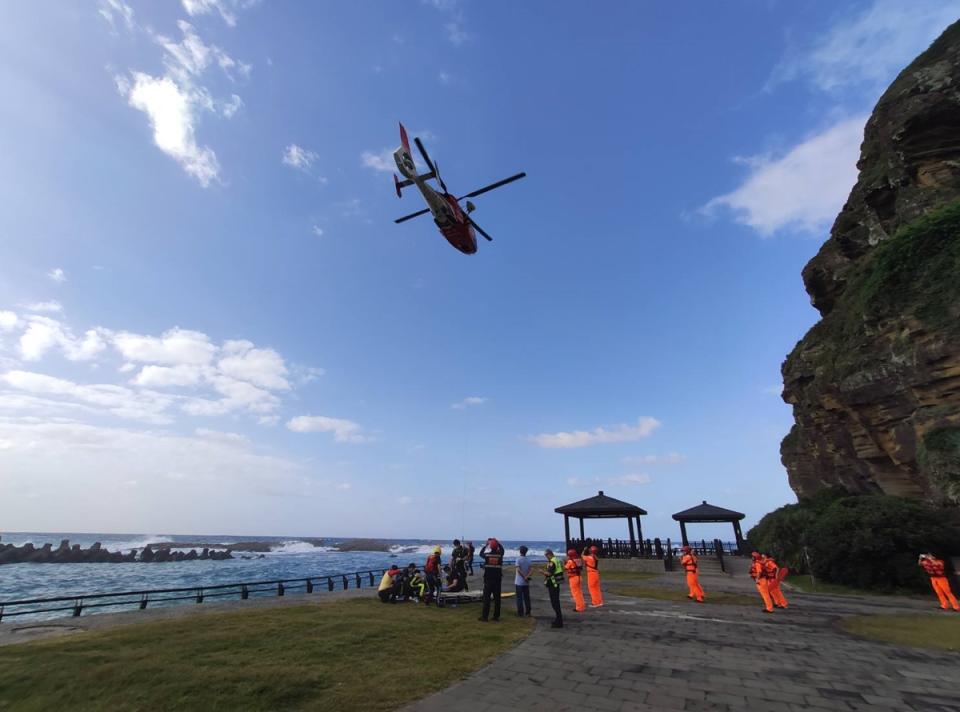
389 585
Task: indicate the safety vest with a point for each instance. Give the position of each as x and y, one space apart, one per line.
591 562
492 559
689 563
756 568
433 564
572 567
555 573
933 567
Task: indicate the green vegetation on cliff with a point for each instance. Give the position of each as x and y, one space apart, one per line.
867 541
914 274
939 458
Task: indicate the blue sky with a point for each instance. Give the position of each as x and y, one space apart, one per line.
209 322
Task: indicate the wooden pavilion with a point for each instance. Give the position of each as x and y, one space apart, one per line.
602 507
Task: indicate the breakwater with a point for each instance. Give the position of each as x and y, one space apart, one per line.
96 554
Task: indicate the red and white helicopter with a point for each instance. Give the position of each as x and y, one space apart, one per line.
455 224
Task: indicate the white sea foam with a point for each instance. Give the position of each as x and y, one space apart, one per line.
296 546
135 543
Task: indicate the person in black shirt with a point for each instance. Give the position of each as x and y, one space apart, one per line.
470 552
492 555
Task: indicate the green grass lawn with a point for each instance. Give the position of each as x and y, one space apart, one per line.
343 655
619 576
680 594
941 632
805 584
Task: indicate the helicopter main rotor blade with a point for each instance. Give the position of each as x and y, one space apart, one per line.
479 229
493 186
412 215
423 152
436 173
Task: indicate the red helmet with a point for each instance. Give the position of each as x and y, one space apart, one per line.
594 550
493 542
755 555
572 553
685 549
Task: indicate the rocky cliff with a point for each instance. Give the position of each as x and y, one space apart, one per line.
875 385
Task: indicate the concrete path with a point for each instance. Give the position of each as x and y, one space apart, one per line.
643 654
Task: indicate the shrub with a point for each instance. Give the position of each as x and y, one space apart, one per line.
867 541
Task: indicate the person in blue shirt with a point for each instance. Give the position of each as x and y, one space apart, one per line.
522 583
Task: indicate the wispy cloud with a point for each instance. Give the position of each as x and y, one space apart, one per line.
116 11
605 434
51 306
205 7
298 157
468 402
344 431
804 189
57 275
672 458
868 47
627 480
382 161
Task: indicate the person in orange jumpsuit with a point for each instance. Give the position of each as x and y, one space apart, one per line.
936 570
757 574
772 572
689 563
572 568
590 560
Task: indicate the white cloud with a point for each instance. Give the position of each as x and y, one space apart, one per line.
83 472
229 108
111 10
404 500
802 190
345 431
298 157
205 7
469 401
382 161
167 376
262 367
122 402
43 334
172 113
51 306
317 230
672 458
870 47
57 275
175 346
614 434
343 486
456 33
8 320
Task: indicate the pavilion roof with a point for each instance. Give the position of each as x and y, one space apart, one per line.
706 512
600 506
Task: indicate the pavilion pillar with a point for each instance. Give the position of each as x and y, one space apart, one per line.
683 533
581 529
738 535
639 530
633 539
566 529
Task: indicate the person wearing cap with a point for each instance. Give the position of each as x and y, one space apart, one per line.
573 568
492 555
431 571
690 564
388 585
759 576
552 576
937 571
592 563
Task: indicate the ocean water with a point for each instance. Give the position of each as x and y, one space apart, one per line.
288 558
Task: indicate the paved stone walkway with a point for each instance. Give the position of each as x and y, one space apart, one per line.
643 654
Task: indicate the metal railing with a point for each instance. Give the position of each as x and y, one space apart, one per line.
77 603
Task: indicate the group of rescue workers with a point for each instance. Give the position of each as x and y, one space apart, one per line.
410 584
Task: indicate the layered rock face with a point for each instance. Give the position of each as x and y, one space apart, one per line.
875 385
